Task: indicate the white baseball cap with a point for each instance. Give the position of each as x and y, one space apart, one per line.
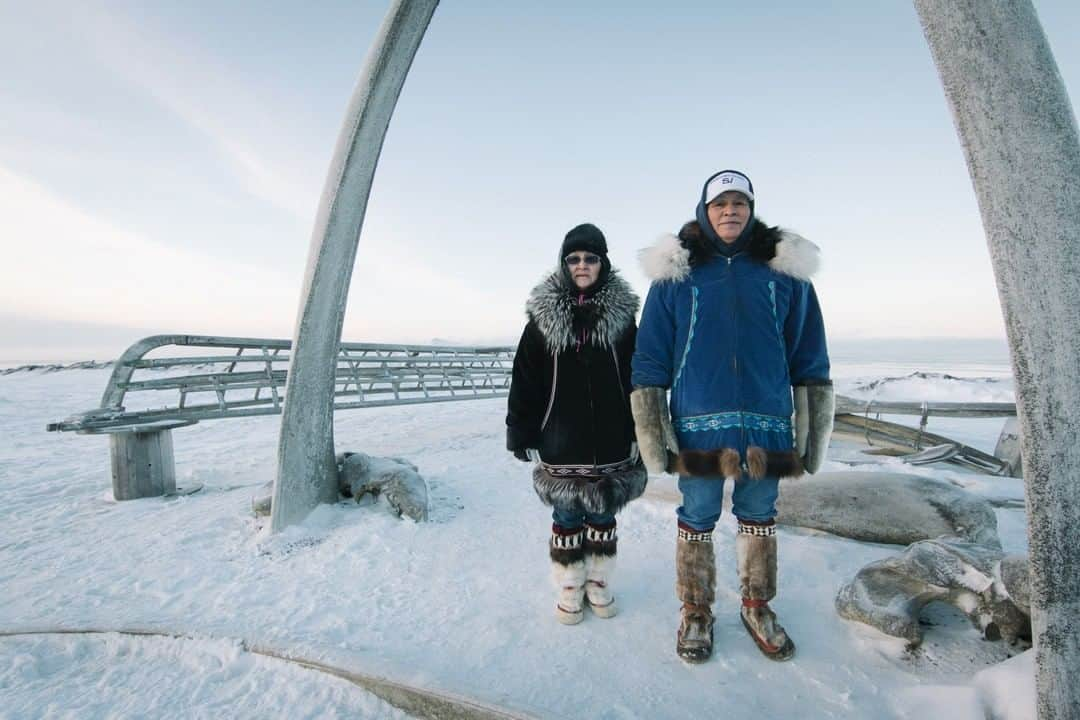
725 181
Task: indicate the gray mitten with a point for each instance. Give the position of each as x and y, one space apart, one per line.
815 406
652 423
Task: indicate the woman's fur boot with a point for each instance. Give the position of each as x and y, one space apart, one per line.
600 546
568 573
755 548
695 585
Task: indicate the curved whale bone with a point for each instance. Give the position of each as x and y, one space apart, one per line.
991 589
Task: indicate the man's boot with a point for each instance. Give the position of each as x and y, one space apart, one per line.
568 573
755 548
600 545
695 585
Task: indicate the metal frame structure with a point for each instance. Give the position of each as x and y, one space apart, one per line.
243 377
248 376
853 417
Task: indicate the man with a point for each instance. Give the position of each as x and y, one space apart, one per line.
731 325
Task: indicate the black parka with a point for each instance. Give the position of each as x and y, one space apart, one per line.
569 396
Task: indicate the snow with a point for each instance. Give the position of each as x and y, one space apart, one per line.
111 675
1008 688
928 701
942 387
461 604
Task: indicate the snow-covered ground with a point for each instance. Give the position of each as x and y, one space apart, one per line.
460 604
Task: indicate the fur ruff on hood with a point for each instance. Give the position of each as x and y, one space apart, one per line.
672 258
552 305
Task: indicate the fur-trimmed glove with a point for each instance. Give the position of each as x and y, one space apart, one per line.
815 406
652 424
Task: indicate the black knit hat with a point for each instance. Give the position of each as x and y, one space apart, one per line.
588 238
585 237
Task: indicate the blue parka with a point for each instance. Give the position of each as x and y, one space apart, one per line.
730 336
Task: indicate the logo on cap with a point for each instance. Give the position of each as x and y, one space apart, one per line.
726 182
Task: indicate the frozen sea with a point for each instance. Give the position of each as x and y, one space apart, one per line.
460 604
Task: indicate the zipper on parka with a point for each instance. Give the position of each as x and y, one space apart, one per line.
735 354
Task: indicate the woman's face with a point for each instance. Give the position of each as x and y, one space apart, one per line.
728 215
584 268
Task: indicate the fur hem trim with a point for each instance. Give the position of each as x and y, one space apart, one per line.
601 549
603 495
727 463
551 306
566 548
773 463
724 462
567 557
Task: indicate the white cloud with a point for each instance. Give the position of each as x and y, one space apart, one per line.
209 98
400 293
907 300
61 263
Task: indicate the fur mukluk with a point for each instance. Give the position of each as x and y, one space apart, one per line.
603 494
605 316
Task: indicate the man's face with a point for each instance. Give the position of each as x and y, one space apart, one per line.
728 214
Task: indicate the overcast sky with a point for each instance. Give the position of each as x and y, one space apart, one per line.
161 163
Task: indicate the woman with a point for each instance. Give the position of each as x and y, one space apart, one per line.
731 326
569 411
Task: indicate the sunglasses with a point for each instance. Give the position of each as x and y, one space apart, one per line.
588 259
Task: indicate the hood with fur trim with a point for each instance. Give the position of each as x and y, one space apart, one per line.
553 306
671 258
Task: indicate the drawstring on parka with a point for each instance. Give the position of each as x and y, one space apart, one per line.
584 331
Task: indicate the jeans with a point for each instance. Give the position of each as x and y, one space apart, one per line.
572 520
753 500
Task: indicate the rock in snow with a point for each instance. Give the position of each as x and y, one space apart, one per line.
395 479
359 474
883 507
